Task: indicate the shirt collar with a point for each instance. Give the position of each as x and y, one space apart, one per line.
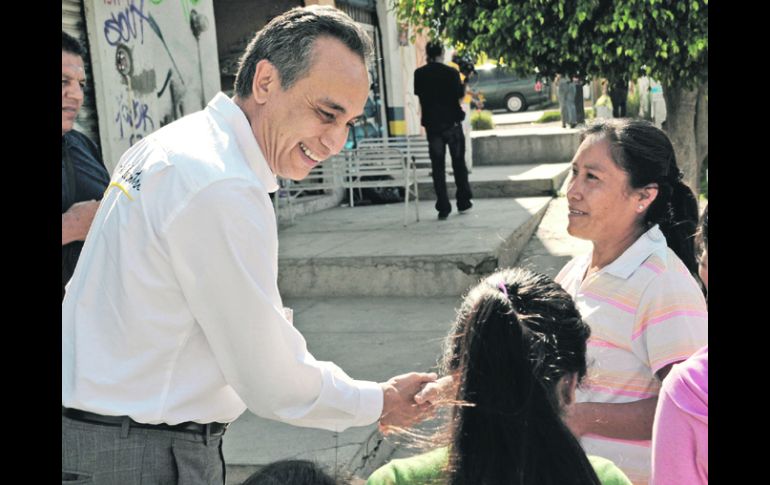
237 121
651 242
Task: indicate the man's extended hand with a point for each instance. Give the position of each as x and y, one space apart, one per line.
399 408
76 222
433 392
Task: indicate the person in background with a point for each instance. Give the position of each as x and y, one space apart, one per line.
84 177
440 91
680 433
516 354
567 102
619 97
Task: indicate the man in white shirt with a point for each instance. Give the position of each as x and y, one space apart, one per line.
172 324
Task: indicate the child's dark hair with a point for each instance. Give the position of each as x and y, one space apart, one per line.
516 336
294 472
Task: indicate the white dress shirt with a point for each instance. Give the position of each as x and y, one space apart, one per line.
173 313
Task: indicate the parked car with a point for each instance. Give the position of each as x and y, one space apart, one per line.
503 88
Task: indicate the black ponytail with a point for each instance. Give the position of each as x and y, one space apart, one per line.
680 225
511 347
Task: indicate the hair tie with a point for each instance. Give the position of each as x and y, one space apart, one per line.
502 287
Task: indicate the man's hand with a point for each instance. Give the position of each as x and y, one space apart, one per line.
77 220
399 408
433 392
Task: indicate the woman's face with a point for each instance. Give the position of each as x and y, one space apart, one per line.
602 205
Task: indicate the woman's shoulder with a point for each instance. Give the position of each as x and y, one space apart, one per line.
608 472
665 272
425 468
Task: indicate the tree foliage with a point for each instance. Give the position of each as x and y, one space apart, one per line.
664 39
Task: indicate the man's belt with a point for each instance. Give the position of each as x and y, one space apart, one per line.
207 429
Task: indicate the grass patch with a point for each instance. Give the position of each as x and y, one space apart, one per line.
549 116
482 120
555 115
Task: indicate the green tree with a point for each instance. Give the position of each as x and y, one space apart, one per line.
663 39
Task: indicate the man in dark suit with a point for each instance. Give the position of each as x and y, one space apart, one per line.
439 88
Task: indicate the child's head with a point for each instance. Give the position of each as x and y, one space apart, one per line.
518 350
294 472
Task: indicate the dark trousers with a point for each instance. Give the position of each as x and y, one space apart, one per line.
619 109
110 455
437 143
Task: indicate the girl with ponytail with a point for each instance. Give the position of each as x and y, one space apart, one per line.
516 352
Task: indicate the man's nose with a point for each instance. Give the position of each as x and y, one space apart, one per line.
334 138
74 90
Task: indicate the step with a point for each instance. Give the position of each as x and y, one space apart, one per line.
307 204
366 251
371 338
505 181
524 146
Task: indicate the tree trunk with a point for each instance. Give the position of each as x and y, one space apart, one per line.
702 124
680 127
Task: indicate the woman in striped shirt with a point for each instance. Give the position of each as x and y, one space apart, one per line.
637 289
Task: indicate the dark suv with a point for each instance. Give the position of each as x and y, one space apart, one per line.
502 88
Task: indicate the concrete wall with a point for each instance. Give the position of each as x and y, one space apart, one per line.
505 149
153 61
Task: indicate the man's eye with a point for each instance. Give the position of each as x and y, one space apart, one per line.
592 176
325 115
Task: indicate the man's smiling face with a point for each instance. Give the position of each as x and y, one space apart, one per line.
309 122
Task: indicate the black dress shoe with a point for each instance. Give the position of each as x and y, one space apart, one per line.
466 209
443 215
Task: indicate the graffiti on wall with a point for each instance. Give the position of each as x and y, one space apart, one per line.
156 62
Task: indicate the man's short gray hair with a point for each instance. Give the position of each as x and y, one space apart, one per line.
287 42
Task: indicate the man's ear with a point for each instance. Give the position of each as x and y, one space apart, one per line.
265 81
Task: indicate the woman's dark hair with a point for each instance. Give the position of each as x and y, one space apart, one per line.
294 472
646 154
517 334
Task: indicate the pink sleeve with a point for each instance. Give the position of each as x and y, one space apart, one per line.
679 442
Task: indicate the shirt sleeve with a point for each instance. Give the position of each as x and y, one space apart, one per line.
223 248
671 321
679 440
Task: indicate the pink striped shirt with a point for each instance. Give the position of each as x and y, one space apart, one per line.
645 312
